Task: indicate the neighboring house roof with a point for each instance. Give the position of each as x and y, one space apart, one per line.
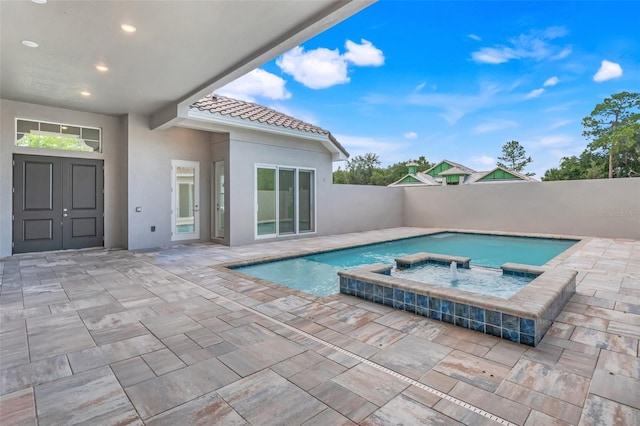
452 163
243 110
456 171
496 175
500 174
419 179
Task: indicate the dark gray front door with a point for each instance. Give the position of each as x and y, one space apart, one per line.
57 204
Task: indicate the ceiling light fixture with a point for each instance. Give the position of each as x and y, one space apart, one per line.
85 93
128 28
102 68
39 1
29 43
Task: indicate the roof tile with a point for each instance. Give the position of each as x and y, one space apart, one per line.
224 106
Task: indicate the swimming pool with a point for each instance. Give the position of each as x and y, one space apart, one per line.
318 273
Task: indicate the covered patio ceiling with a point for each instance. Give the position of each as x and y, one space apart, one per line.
179 52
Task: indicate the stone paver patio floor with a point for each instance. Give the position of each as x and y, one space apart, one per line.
167 337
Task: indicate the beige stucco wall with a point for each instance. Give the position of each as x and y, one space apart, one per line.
149 173
353 208
220 152
113 154
249 148
603 208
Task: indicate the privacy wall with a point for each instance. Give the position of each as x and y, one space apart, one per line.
354 208
601 208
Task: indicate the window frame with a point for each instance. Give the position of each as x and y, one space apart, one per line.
313 207
61 125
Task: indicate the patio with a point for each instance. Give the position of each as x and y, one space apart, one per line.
166 337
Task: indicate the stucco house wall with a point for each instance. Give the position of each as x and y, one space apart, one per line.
249 148
149 173
114 154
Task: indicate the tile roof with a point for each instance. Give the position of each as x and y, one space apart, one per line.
244 110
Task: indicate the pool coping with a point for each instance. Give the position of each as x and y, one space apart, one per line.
580 242
534 308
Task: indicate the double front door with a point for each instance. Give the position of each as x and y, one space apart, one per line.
58 203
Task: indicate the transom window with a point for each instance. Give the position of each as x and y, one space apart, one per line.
68 137
285 200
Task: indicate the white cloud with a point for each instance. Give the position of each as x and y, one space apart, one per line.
420 86
474 37
490 55
535 45
256 83
534 93
607 71
563 54
316 69
493 125
321 68
364 55
560 123
410 135
483 161
552 81
454 106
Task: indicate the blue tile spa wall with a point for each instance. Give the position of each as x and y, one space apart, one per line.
492 322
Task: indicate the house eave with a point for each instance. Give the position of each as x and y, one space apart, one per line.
324 139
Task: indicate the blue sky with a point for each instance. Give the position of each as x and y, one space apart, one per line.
457 80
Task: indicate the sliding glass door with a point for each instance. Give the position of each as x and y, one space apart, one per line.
285 201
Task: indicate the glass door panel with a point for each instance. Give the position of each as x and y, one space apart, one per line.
286 201
185 202
305 204
266 184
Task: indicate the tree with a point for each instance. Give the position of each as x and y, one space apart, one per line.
514 157
54 142
397 170
360 168
366 170
340 176
588 165
606 127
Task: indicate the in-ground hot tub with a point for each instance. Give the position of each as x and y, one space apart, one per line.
523 317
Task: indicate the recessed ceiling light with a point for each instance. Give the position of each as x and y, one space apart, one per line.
29 43
102 68
128 28
85 93
39 1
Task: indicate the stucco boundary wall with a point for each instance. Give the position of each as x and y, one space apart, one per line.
600 208
355 208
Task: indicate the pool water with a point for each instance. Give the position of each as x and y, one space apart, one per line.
476 280
317 273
